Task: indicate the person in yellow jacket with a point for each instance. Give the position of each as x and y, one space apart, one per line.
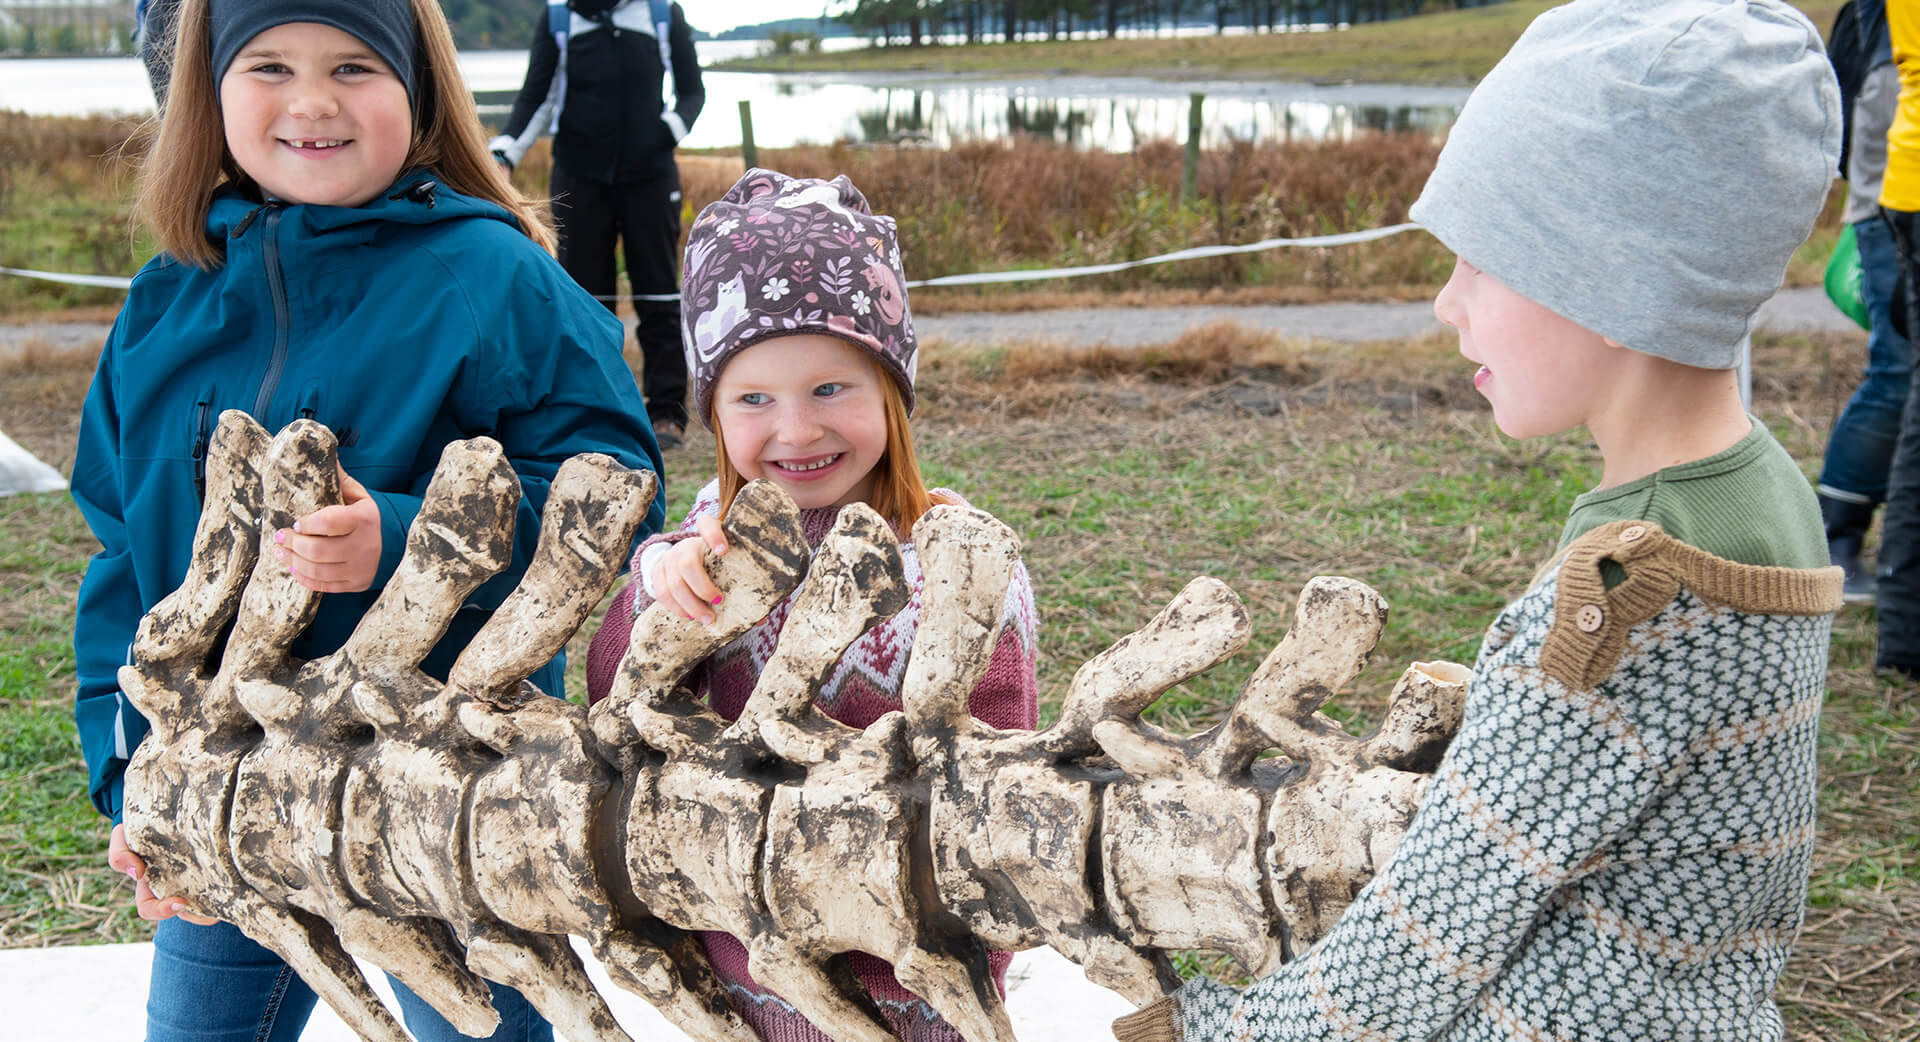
1898 586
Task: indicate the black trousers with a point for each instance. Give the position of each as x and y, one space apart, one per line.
644 218
1897 590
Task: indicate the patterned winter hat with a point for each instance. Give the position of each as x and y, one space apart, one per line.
780 255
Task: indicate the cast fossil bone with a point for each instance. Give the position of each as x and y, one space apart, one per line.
352 805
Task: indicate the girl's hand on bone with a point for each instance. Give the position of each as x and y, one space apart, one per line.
680 578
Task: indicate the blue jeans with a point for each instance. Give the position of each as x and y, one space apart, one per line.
1860 449
1897 590
214 984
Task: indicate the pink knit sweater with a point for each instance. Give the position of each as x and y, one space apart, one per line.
864 686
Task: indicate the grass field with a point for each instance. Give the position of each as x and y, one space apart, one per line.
1450 47
1128 473
1446 47
1227 454
65 190
66 184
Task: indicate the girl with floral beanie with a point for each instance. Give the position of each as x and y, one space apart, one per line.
802 353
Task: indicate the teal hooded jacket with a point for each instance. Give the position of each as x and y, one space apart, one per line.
418 319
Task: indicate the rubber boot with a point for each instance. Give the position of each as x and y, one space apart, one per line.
1847 522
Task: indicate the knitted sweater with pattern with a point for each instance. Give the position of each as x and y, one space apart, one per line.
861 689
1617 844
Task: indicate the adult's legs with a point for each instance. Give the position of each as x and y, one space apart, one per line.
1898 593
649 216
1853 480
583 216
519 1021
214 984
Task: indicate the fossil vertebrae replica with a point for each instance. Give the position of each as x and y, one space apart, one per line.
354 806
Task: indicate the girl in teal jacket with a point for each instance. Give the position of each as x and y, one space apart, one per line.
338 246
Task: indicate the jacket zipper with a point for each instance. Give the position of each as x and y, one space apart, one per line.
277 286
203 433
247 221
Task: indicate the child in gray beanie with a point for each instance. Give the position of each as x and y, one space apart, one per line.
1617 843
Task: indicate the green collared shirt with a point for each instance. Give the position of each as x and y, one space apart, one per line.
1749 504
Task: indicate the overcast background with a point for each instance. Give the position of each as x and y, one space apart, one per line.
717 16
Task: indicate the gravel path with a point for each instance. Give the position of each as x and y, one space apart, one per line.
1794 310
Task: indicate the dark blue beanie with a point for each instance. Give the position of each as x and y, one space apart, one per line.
386 26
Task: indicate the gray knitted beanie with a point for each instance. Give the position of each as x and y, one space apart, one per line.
1644 167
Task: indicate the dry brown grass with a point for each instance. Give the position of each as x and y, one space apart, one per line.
47 144
1111 464
994 206
1856 969
1347 424
40 408
982 207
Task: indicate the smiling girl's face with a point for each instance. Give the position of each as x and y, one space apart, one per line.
313 116
806 412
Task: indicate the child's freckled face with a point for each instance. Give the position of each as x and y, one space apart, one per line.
1542 372
805 411
313 116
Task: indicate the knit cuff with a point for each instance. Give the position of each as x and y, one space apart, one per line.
1155 1023
643 563
649 551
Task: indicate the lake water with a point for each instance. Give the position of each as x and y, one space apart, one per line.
1112 113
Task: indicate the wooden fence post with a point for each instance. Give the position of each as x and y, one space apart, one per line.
1190 169
748 151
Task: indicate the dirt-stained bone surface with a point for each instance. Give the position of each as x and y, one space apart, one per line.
461 831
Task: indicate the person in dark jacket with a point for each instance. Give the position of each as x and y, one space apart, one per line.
153 39
1853 477
1897 568
598 77
313 266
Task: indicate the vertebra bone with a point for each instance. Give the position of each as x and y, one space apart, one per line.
460 831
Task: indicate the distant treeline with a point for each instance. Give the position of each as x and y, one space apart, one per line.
815 26
107 28
63 31
103 29
493 24
508 24
915 22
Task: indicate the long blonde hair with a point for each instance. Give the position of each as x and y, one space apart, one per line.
187 156
900 493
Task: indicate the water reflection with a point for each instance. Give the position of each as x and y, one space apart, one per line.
1047 121
1111 113
941 116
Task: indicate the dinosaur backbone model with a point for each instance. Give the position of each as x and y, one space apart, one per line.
462 831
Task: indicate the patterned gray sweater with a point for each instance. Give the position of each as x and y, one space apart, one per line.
1617 844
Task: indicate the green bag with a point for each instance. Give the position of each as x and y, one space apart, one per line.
1843 278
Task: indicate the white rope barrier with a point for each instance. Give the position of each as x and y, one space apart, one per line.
102 281
975 279
1193 253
